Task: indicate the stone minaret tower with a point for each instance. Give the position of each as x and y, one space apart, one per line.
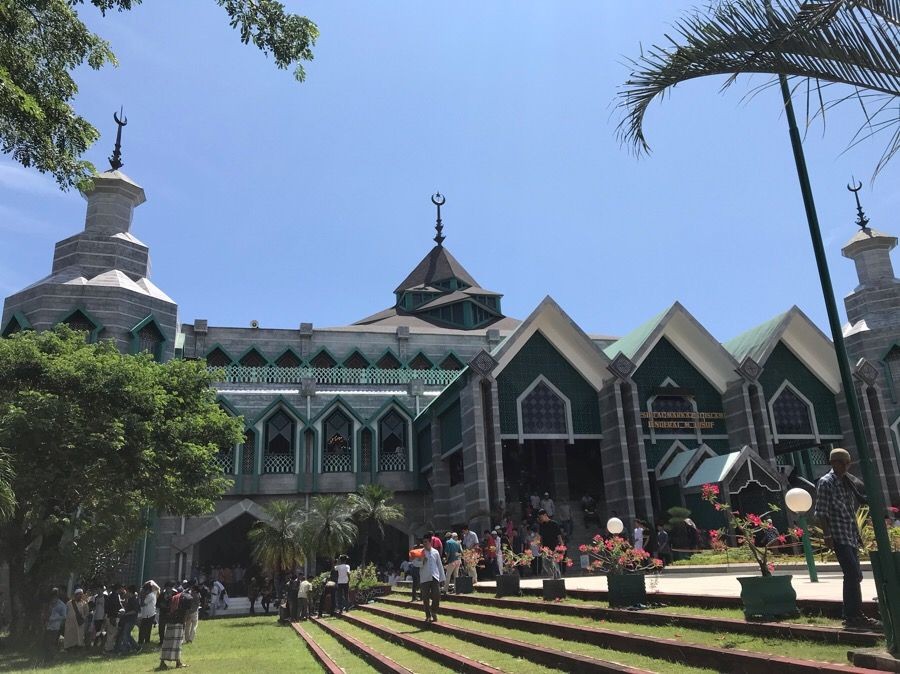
100 281
873 334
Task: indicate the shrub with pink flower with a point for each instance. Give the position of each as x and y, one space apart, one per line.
615 555
748 529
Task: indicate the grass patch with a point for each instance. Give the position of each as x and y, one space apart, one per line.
487 656
409 659
345 659
810 650
543 641
733 556
225 645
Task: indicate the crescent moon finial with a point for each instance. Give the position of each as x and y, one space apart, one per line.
861 219
439 200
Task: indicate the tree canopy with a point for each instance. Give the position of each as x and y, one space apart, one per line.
373 506
45 41
819 45
278 544
95 440
329 529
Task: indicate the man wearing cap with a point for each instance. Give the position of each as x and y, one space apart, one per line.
76 615
837 499
452 552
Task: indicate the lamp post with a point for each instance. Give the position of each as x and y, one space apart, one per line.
615 526
887 576
799 501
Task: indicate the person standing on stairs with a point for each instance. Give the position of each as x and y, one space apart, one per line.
431 578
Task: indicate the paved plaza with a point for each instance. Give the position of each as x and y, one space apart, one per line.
718 584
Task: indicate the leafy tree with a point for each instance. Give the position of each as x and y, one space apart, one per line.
820 44
7 497
45 41
329 529
278 542
373 507
95 439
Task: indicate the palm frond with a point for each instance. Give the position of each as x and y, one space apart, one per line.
855 43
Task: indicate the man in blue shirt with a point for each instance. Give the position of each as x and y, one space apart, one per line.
431 577
452 558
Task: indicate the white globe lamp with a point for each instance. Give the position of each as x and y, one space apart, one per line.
798 500
615 526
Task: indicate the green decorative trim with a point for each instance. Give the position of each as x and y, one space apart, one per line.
395 402
289 350
462 363
21 321
338 401
350 355
231 409
220 348
260 353
136 337
98 326
421 353
392 403
324 349
383 354
893 387
280 401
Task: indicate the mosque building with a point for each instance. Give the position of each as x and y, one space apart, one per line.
463 411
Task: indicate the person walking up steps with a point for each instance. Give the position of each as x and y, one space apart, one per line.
431 578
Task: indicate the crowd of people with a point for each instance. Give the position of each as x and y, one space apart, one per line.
105 620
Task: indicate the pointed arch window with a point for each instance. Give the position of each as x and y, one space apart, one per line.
323 360
356 361
392 444
279 446
451 362
218 358
79 322
253 358
150 339
14 325
421 362
337 456
288 359
544 412
792 414
248 453
389 362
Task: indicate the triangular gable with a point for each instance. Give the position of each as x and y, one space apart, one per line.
346 407
564 335
438 265
392 402
801 336
689 338
280 401
19 320
250 351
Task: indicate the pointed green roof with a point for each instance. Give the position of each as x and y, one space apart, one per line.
630 343
753 341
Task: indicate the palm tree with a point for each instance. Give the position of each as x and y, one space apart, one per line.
819 44
277 544
373 507
329 528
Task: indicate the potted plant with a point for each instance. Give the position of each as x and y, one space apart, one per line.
471 559
625 568
555 586
766 596
508 581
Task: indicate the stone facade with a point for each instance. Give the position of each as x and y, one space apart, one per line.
463 411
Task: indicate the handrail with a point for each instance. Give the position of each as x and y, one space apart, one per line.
272 374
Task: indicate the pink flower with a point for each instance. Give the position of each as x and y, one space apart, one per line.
657 562
798 532
569 563
582 548
771 567
781 539
894 509
598 538
755 520
717 506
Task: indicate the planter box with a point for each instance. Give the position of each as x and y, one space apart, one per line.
768 597
508 585
464 585
554 589
626 589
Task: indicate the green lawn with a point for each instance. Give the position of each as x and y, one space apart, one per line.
226 645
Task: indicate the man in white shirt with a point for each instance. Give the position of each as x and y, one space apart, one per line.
343 583
215 595
469 538
548 505
638 535
431 578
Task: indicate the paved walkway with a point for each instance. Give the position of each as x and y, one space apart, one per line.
719 584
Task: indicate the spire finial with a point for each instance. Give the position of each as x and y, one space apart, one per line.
861 218
115 162
438 200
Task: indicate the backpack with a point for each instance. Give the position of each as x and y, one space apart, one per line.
179 606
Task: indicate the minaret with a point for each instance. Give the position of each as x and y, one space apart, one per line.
99 280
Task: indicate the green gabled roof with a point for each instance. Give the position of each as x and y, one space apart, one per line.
752 342
630 343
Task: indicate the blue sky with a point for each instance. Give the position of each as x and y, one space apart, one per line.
287 202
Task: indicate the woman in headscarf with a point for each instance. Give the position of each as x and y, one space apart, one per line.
76 616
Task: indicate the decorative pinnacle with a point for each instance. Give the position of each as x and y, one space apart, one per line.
861 218
115 162
439 200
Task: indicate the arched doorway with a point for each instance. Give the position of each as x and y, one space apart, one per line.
227 551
